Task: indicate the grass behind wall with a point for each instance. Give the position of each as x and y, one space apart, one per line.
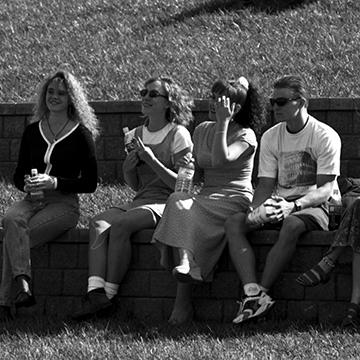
113 46
105 196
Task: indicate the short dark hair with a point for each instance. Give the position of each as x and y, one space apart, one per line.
294 82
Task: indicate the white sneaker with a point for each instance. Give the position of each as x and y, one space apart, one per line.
253 306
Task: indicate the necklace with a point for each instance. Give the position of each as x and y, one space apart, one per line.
55 136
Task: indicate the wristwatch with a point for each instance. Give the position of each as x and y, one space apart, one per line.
297 206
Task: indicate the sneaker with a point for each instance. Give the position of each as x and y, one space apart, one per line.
253 306
94 303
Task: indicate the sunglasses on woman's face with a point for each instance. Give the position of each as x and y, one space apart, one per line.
152 93
281 101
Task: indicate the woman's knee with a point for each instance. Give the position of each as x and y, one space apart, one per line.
106 219
235 226
12 218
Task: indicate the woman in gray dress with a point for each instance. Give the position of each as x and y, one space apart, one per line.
150 170
191 234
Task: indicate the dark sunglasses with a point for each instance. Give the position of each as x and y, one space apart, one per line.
282 101
152 93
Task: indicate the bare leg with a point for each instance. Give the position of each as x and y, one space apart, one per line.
320 273
351 319
355 295
99 241
183 310
283 250
119 250
241 252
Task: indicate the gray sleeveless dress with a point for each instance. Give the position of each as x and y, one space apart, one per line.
153 192
196 222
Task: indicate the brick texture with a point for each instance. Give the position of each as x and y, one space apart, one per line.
148 291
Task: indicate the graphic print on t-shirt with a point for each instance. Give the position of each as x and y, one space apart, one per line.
296 169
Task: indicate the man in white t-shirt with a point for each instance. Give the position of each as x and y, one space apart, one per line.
298 165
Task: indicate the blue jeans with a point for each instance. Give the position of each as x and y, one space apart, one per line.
28 224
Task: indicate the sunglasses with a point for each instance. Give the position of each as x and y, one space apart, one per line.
152 93
282 101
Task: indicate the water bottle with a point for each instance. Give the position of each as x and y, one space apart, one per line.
128 140
259 215
335 210
39 194
184 180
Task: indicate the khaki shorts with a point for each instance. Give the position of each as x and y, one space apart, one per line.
314 218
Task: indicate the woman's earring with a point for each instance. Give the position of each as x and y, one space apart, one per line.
237 108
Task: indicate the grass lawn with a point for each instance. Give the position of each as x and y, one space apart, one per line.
115 45
106 195
53 339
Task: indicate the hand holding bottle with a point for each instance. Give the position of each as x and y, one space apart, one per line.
39 182
184 161
131 161
144 152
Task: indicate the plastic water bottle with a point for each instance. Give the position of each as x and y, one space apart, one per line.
259 215
128 140
335 210
184 180
39 194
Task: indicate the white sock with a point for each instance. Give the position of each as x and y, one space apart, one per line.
111 289
95 282
251 289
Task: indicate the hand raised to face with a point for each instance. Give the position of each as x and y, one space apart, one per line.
223 109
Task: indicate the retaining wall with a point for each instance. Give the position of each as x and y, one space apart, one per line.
60 268
341 114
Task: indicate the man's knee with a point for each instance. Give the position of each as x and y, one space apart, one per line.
292 228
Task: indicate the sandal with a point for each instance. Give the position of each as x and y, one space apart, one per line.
314 276
351 321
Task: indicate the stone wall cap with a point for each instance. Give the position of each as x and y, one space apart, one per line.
130 106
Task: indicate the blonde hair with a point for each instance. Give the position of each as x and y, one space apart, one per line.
179 99
78 108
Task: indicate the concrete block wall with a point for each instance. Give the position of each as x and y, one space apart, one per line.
60 268
148 291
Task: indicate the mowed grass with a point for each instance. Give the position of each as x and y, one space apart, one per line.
44 339
113 46
105 196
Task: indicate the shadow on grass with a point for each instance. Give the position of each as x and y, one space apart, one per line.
213 6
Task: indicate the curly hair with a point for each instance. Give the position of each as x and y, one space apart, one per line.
78 108
252 111
181 104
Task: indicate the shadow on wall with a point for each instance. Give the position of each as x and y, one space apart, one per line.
212 6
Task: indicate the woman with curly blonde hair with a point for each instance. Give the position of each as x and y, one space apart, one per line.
150 169
56 162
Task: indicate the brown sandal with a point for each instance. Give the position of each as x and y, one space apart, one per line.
351 319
